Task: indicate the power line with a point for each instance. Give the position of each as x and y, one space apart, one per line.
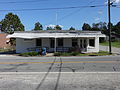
117 6
61 8
30 1
74 12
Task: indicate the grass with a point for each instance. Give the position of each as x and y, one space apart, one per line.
6 50
114 44
101 53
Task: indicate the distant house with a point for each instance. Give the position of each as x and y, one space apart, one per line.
4 42
57 40
114 37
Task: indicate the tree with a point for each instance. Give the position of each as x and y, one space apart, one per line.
86 27
38 26
71 28
0 26
95 27
50 28
57 27
101 26
11 23
117 28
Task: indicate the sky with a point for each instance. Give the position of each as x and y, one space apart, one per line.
64 17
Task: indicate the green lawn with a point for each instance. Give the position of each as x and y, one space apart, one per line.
101 53
114 44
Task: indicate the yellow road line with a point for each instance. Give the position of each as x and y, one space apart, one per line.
60 62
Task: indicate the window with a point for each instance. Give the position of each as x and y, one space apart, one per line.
74 42
81 46
38 42
60 42
92 42
52 43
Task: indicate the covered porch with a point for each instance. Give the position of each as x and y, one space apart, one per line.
58 44
57 41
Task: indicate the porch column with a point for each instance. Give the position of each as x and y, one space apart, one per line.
79 42
87 42
97 43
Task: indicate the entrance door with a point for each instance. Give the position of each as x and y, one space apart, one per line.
83 44
52 43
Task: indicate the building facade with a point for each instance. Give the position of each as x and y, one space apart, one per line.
57 41
4 42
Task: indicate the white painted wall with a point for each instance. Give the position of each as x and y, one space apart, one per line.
46 42
93 49
67 42
21 45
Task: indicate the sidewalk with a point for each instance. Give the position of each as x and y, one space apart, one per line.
106 48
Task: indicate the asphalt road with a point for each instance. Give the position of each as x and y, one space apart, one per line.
66 64
60 81
60 73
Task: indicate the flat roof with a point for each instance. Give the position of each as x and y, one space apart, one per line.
55 34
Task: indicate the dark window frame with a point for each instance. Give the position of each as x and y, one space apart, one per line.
74 42
92 42
52 43
60 42
39 42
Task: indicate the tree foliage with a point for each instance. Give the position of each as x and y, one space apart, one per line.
71 28
116 28
11 23
38 26
58 27
86 27
50 28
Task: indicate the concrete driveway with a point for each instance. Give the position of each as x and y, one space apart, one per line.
106 48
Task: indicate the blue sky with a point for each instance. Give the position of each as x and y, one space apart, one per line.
66 18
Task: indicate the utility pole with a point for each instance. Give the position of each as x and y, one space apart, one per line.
55 33
109 26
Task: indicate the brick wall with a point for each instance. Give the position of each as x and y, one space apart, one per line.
3 40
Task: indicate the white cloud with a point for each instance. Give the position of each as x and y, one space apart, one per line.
100 12
97 19
113 1
52 26
61 26
116 1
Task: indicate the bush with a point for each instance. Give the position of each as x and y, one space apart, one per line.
30 54
66 54
75 53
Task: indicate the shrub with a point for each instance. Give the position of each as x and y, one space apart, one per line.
57 54
30 54
65 54
75 53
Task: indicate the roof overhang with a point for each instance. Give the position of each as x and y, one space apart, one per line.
54 35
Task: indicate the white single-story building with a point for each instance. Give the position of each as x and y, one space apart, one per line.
57 40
